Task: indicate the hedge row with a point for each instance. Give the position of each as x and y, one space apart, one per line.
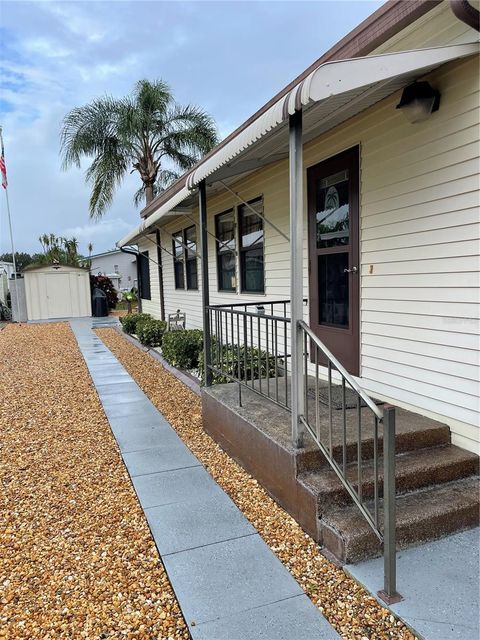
184 350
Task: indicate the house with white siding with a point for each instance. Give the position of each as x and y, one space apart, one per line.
335 237
120 267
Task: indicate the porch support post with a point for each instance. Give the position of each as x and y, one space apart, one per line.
389 593
202 204
160 275
296 275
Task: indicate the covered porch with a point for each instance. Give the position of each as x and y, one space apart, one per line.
294 387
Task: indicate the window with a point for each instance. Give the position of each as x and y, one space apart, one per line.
226 251
115 268
251 247
184 246
144 275
191 257
178 260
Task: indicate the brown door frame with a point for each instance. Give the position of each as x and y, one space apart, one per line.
343 343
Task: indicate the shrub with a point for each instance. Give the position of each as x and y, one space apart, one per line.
105 284
240 362
131 322
150 332
182 348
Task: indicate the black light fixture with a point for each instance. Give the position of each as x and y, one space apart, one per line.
418 101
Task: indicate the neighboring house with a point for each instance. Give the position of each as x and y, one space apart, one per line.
6 267
331 194
6 271
120 267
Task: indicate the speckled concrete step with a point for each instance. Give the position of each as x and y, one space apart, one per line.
422 515
414 470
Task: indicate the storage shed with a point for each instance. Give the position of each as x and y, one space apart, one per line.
57 291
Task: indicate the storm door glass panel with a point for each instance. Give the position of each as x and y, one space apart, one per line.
333 289
332 213
226 251
178 262
191 257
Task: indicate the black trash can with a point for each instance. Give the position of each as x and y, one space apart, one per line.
99 303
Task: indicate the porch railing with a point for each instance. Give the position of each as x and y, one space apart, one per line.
250 344
333 443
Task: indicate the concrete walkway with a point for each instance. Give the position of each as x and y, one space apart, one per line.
440 584
229 584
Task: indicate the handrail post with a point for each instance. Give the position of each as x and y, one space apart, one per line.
296 275
207 356
389 593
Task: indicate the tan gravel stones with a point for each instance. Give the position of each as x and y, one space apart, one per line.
346 605
77 557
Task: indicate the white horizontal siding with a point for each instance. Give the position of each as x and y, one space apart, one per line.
152 306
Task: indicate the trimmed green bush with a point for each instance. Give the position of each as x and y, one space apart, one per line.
150 332
241 363
182 348
132 321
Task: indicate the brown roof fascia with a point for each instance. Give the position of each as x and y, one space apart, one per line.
379 27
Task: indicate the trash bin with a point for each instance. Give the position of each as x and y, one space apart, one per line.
99 303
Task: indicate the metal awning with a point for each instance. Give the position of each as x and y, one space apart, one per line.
161 212
331 94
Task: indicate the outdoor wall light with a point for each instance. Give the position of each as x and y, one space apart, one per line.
418 101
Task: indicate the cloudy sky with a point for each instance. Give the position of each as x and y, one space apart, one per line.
228 57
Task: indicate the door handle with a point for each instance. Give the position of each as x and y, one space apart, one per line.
352 270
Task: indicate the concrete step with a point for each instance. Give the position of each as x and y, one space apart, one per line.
413 432
422 515
414 470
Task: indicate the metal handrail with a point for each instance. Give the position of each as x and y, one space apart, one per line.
364 396
385 417
259 303
249 314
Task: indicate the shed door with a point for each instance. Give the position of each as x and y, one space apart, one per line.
59 295
334 252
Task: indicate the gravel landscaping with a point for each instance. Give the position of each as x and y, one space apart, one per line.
347 606
77 557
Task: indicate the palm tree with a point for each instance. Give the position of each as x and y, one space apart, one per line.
90 249
141 132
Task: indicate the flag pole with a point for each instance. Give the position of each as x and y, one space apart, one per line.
5 185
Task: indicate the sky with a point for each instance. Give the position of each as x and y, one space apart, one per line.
227 57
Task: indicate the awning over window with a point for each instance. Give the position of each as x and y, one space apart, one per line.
331 94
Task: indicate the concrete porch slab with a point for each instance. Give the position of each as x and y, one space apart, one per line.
440 584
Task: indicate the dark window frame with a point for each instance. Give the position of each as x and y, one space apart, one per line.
144 276
219 255
244 251
185 260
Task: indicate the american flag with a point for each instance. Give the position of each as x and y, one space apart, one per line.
3 166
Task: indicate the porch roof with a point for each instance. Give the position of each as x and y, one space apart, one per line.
329 95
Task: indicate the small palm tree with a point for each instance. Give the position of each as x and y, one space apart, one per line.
141 133
90 249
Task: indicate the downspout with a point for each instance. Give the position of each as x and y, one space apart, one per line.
464 11
160 276
136 254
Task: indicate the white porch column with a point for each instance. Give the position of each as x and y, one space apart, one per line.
296 274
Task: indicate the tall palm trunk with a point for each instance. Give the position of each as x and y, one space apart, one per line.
148 192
